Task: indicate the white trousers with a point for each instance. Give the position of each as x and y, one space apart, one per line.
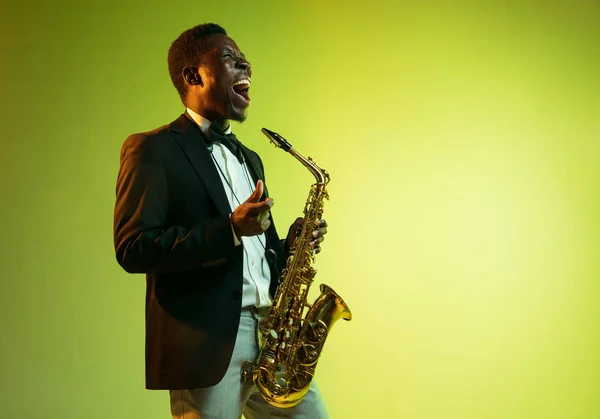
230 398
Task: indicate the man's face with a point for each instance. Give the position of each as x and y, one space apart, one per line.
225 76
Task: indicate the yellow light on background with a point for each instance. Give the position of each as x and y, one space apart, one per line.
462 140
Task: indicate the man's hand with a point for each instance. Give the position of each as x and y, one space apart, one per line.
252 217
317 234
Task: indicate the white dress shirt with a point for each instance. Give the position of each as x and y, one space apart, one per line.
238 185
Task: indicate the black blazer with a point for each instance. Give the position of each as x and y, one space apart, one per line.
171 222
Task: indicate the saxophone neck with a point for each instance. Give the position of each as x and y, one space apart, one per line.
318 172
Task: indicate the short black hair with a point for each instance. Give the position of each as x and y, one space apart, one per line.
187 51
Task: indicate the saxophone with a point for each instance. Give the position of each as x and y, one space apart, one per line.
294 332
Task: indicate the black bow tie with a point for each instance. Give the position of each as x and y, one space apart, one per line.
216 135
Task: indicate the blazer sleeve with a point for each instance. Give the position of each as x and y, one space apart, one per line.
144 243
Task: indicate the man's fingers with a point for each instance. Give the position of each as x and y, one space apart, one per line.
316 241
265 224
262 217
255 197
259 207
319 232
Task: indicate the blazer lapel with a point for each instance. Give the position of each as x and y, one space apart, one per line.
191 140
255 168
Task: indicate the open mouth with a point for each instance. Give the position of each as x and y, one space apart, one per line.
241 88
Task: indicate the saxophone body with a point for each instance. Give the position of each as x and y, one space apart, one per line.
294 332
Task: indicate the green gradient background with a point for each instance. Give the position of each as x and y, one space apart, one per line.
463 142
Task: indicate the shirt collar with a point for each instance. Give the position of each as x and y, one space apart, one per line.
204 123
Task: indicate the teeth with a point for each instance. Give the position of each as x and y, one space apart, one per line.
243 81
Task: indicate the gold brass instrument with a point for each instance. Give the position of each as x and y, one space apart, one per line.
294 332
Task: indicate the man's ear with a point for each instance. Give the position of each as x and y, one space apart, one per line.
191 76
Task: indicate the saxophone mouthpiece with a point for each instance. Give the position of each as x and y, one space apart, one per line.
277 139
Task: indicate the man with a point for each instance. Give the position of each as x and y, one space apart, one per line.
193 216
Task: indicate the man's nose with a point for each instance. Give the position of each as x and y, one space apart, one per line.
244 65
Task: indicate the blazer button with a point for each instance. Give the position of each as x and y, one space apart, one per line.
236 295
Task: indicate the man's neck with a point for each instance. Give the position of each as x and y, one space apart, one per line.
204 123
